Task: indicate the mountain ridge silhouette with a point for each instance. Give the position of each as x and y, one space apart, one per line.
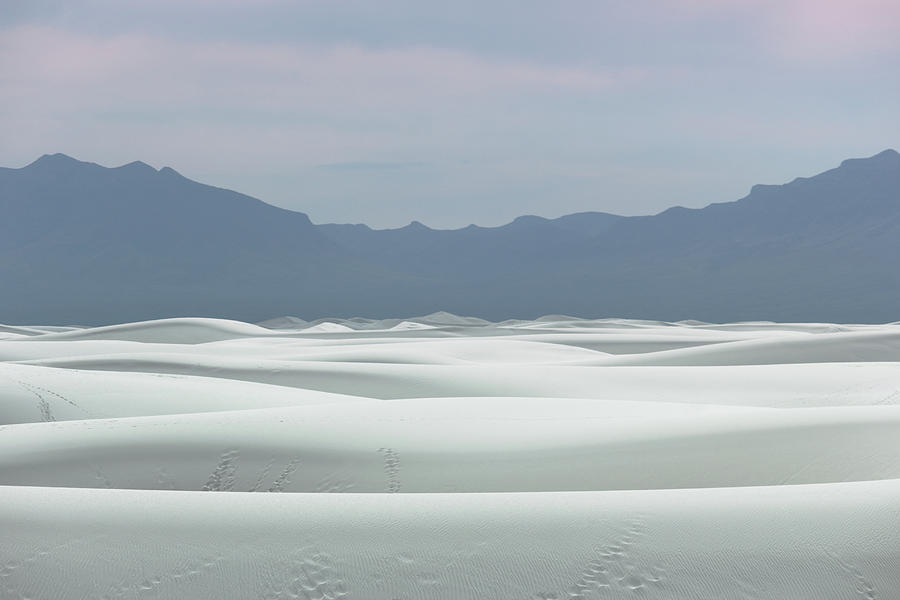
83 243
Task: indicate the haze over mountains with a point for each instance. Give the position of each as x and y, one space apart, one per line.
81 243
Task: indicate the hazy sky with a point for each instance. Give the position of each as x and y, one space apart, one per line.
458 112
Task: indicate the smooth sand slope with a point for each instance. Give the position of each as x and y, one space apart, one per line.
550 459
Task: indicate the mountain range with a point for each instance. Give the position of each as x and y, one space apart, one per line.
85 244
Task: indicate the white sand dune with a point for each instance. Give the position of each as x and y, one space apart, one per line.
283 323
789 385
405 446
32 394
553 459
290 345
12 330
822 542
857 346
179 331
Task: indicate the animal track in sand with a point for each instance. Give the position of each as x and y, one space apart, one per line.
613 567
262 476
222 477
44 404
864 588
284 478
391 469
310 575
150 585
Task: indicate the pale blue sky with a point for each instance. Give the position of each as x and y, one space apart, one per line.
455 113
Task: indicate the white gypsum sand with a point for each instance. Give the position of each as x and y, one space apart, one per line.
552 459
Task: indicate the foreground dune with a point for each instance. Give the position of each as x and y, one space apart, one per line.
816 541
547 459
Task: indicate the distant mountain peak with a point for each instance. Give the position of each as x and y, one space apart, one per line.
528 220
58 161
137 166
885 157
170 171
54 161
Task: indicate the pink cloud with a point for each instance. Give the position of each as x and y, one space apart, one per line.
810 30
147 68
306 102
